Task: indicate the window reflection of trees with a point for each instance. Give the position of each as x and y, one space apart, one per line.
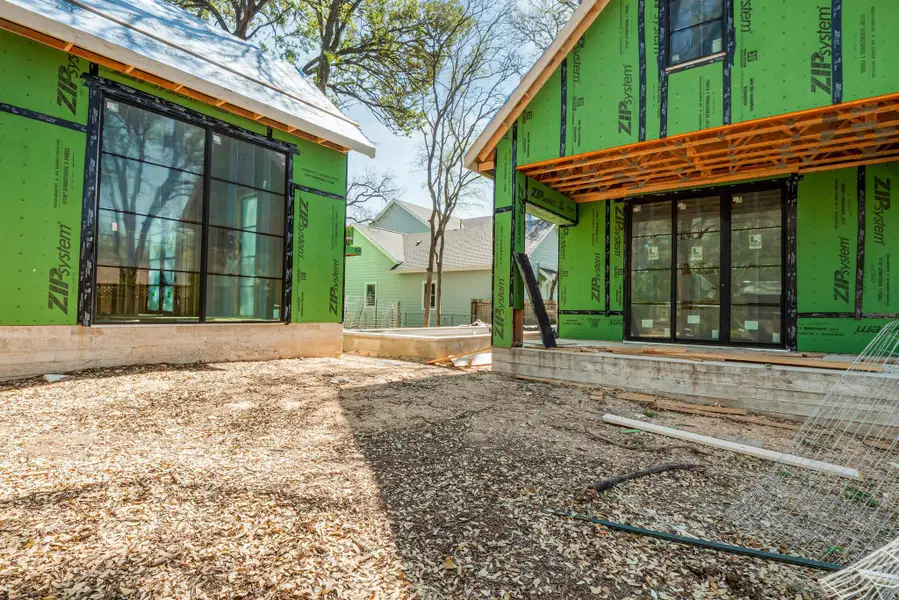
151 171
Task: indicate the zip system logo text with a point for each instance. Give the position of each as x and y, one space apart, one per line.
58 287
821 70
841 275
625 111
882 201
66 89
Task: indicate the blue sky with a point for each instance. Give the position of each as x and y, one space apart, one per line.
396 153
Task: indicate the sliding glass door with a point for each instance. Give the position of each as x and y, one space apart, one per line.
707 269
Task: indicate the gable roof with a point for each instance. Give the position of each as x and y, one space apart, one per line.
422 213
158 38
390 243
469 248
533 80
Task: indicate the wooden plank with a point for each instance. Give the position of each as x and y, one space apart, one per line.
789 459
765 422
785 360
724 410
451 357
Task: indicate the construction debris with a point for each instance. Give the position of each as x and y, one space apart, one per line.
796 461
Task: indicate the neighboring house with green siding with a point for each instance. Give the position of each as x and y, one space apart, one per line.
386 284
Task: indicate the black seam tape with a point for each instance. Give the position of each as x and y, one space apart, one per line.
43 118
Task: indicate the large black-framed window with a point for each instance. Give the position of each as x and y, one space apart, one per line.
695 30
708 267
191 221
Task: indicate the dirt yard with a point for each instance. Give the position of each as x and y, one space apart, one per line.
355 478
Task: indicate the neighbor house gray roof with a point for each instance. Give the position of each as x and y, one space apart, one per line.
477 221
469 248
163 40
424 213
390 242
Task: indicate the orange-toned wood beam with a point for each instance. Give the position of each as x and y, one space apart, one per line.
845 141
817 116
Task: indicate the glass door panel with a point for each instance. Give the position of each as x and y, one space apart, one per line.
698 269
756 268
650 285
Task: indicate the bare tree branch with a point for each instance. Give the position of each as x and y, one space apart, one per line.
471 68
369 192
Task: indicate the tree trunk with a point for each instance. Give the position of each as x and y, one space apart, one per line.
426 293
440 273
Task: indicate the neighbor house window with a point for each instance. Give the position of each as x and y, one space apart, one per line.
426 297
695 29
190 222
371 294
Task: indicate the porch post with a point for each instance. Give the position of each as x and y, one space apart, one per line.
509 191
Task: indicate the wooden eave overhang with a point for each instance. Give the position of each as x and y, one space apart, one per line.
861 132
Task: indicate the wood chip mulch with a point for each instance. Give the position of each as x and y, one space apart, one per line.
356 478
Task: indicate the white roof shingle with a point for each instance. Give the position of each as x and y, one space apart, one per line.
161 39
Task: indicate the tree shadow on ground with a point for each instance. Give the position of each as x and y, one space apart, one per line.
466 463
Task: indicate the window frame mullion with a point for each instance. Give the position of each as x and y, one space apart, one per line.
204 237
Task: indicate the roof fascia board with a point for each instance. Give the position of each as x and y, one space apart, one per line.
117 53
533 80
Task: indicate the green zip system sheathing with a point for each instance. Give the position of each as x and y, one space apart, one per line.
538 126
510 191
603 82
835 315
591 299
318 258
695 99
42 165
42 169
781 60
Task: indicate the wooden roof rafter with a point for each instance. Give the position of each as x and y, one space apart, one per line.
849 134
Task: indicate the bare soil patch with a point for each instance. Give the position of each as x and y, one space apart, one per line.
355 478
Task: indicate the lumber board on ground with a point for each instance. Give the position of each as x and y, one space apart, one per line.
746 449
452 356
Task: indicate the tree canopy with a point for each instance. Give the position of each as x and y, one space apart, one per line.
367 52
